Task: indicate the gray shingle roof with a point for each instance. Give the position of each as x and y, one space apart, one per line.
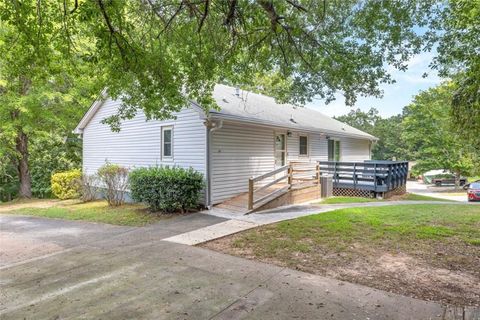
257 108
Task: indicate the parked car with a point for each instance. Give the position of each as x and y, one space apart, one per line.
474 191
443 179
465 187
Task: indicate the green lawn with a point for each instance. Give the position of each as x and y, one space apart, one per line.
335 200
407 196
388 247
96 211
399 224
419 197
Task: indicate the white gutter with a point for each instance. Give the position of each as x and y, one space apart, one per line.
211 126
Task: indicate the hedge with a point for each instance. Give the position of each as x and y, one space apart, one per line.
166 189
65 185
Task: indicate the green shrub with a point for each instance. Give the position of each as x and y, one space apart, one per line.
65 184
167 189
115 179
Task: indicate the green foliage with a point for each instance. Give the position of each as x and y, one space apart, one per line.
167 189
65 184
459 59
49 154
44 89
430 137
165 53
389 146
8 179
115 180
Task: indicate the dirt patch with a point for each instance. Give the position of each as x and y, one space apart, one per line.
433 274
34 203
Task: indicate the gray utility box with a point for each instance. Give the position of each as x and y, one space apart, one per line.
326 189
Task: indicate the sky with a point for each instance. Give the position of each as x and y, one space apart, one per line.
395 96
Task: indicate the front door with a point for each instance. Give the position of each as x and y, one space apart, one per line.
280 150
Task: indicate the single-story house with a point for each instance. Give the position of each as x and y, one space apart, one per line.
249 135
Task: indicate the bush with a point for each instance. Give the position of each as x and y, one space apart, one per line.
49 154
115 180
167 189
89 187
65 184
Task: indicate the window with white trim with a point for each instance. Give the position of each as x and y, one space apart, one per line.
167 142
303 146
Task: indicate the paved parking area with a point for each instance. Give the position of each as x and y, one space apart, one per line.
72 270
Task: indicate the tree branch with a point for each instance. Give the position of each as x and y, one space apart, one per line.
231 13
204 16
297 5
271 12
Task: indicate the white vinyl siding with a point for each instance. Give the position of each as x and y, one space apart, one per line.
241 151
354 149
238 152
317 147
138 144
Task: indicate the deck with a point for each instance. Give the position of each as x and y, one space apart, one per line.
378 176
300 182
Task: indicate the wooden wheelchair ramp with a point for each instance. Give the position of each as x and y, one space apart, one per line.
294 183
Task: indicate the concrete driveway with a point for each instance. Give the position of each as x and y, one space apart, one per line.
55 269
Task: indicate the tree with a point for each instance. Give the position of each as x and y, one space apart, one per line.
43 89
389 145
365 121
157 55
430 137
459 59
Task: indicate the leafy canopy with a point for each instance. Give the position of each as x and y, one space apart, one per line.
387 130
156 55
459 59
430 137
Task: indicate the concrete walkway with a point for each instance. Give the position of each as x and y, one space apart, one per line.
240 222
104 272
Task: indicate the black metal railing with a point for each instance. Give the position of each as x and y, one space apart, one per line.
373 175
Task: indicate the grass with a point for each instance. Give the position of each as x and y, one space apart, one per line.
471 179
96 211
402 225
335 200
407 196
419 197
388 247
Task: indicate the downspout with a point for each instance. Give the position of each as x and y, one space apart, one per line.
211 126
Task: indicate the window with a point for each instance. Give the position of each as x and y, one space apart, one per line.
334 150
303 146
167 142
337 150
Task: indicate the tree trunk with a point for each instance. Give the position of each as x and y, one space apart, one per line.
457 180
22 166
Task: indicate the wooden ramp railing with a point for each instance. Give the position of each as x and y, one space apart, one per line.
292 174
